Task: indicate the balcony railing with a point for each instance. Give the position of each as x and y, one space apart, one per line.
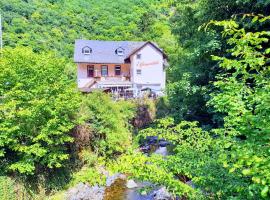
97 74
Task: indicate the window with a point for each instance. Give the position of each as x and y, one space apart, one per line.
139 71
86 50
120 51
90 70
117 70
104 70
139 56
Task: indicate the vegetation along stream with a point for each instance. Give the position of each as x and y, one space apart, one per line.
207 137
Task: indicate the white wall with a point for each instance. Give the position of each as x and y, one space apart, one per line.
82 78
151 65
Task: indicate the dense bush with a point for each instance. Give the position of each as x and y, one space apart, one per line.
108 121
37 107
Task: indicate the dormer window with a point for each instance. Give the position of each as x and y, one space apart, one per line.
120 51
86 50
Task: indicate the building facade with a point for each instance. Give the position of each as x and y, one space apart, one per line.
121 67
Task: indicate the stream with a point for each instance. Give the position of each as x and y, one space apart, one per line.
119 191
119 188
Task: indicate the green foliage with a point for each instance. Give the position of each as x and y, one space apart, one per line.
109 121
7 187
195 49
37 107
185 99
12 189
196 156
162 107
55 25
152 169
88 175
243 95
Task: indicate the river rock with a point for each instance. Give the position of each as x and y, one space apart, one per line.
163 143
131 184
162 194
111 179
145 148
162 151
152 139
85 192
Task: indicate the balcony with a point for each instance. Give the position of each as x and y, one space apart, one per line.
111 76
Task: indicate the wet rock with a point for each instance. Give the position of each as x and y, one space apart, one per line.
162 151
191 184
131 184
123 176
85 192
163 143
145 148
162 194
152 139
111 179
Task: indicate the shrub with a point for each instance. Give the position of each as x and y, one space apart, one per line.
109 123
7 188
37 105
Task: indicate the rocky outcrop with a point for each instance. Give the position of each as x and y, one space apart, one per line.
85 192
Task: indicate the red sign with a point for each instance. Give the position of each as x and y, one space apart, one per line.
142 64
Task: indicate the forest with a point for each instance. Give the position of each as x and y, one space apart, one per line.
214 118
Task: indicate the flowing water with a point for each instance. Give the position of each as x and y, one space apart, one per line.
119 191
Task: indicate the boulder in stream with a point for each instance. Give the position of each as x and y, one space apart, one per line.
162 151
131 184
163 143
162 194
152 139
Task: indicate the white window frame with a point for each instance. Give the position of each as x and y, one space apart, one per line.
86 50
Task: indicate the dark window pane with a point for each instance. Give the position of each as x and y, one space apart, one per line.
90 70
117 70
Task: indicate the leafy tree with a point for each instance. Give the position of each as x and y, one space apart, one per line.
37 107
196 47
243 95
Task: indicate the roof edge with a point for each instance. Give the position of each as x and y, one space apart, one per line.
146 43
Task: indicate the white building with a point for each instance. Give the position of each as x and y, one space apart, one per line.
122 67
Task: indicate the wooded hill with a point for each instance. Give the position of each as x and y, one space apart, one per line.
215 115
